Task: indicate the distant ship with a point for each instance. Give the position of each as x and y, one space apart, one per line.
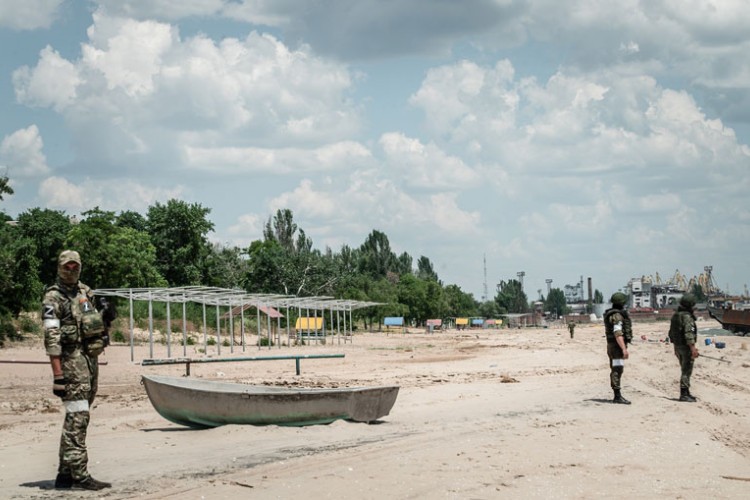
733 320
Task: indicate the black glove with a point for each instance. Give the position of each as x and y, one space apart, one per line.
59 387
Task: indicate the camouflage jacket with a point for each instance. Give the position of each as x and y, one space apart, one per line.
682 329
611 318
62 312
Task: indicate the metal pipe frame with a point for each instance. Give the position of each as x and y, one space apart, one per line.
231 298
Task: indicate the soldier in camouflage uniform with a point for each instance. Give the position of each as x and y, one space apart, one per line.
74 336
683 334
619 332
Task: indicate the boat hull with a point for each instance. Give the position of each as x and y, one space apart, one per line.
204 403
733 320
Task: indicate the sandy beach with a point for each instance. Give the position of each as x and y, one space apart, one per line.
481 414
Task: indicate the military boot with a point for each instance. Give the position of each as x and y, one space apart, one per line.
90 484
63 481
619 399
686 396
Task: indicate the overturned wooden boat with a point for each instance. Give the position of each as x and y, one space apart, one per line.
206 403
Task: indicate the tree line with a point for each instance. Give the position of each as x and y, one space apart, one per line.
169 246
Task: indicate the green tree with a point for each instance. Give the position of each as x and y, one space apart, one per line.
347 260
304 273
48 230
225 267
511 297
20 287
376 257
598 297
489 309
281 228
556 303
435 306
112 256
179 232
285 261
425 270
404 263
458 303
91 238
412 292
386 293
5 186
327 275
265 267
133 220
345 268
304 244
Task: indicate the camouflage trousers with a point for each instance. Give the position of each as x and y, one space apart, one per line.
615 372
81 373
686 364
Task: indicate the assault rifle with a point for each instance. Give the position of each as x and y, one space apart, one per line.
109 314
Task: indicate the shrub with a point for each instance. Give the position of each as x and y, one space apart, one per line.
8 329
264 341
29 325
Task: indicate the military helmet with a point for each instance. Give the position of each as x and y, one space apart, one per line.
618 299
688 301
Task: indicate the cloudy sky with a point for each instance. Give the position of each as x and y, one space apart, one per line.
603 139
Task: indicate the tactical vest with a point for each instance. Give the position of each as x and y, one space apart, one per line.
627 326
80 324
677 326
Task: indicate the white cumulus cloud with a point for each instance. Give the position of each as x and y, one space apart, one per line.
21 152
28 14
127 53
51 83
121 194
426 165
335 156
138 88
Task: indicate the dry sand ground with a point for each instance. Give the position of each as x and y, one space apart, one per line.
486 414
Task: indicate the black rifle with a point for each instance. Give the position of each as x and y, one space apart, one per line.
109 314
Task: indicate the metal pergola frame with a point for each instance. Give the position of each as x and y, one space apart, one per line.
231 298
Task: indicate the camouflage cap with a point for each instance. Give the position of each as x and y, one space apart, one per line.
69 256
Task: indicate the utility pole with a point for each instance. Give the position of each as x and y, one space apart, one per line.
485 296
